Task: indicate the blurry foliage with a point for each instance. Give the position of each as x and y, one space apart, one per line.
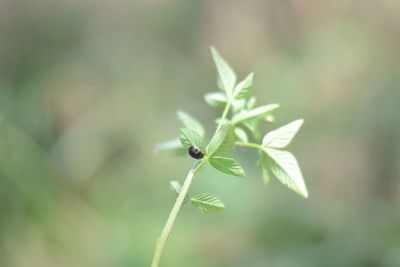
87 88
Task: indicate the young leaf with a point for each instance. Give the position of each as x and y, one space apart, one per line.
219 120
252 126
171 147
228 145
270 118
191 123
285 167
238 105
227 165
263 163
251 103
258 113
191 138
243 89
282 136
207 203
176 186
218 139
225 73
216 99
241 135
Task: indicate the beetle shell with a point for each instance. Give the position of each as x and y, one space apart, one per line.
195 152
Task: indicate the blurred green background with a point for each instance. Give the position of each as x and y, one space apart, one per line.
87 88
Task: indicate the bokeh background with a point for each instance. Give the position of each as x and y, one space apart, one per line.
87 88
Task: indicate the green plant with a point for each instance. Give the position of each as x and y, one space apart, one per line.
232 131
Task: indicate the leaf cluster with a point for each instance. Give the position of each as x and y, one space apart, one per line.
238 127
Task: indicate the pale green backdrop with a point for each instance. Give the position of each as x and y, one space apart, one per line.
87 88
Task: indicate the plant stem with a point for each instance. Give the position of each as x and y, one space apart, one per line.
174 212
224 115
162 240
252 145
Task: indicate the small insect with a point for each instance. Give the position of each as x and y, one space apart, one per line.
195 152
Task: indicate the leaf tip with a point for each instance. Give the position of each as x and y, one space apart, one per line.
299 122
214 51
302 190
175 186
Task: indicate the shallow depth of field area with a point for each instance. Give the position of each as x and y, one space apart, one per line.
88 88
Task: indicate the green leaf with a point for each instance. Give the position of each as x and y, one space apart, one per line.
207 203
258 113
252 126
228 145
218 139
219 84
238 105
171 147
227 165
241 135
191 123
225 73
285 167
191 138
219 120
176 186
251 103
263 163
243 89
216 99
281 137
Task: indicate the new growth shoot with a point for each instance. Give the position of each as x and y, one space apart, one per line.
238 126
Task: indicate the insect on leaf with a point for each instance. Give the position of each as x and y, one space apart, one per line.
227 165
207 203
191 138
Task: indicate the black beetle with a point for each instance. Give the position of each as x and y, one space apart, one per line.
195 152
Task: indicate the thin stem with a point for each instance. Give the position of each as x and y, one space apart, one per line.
252 145
161 241
174 212
224 115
